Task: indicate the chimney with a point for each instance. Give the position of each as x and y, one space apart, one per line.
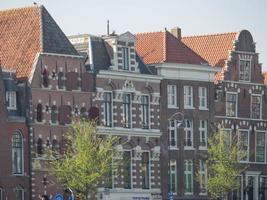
176 32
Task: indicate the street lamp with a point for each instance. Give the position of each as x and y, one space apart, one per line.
178 119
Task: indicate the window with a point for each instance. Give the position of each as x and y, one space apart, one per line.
61 80
145 170
227 137
108 109
188 96
125 57
39 147
260 147
145 111
237 193
126 110
54 117
19 193
188 177
203 131
11 100
231 105
39 116
83 113
255 107
172 99
173 133
127 169
244 143
244 70
1 194
17 153
45 76
55 146
263 188
202 92
203 177
173 176
188 142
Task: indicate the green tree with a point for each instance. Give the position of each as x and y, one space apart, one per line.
86 161
223 163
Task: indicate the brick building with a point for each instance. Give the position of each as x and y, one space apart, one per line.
14 138
187 94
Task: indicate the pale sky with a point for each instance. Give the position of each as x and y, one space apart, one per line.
193 16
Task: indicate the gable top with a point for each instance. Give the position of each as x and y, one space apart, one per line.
215 48
159 47
25 32
129 37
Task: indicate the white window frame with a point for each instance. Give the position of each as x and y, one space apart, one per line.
131 108
11 99
202 96
236 104
149 167
126 58
23 192
173 128
170 94
186 173
245 60
186 129
22 153
203 173
1 193
255 95
104 118
265 143
131 154
187 97
239 136
241 187
201 129
148 110
173 172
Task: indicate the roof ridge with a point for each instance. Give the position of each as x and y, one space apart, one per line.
152 32
165 46
41 28
211 34
21 8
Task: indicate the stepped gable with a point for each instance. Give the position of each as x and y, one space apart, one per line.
159 47
215 48
25 32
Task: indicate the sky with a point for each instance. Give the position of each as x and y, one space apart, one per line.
194 17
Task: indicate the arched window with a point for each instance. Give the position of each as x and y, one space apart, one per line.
54 117
19 193
61 80
45 78
39 115
17 153
40 147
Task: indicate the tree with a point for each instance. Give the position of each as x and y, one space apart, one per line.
223 164
86 160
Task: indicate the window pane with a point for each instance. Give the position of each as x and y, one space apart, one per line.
107 109
256 107
17 153
260 147
127 170
145 170
231 105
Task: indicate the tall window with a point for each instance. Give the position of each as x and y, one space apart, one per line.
203 131
263 188
188 140
203 177
145 111
231 105
202 93
145 170
255 107
54 117
126 110
172 97
39 147
188 177
39 115
173 133
173 176
244 70
11 100
17 153
244 143
125 57
237 193
61 80
108 109
19 193
188 96
260 147
127 169
228 137
45 76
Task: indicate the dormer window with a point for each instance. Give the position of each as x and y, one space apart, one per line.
244 70
125 58
11 100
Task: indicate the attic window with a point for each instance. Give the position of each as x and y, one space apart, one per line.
11 100
125 57
244 70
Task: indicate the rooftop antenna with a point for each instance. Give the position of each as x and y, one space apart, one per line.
108 27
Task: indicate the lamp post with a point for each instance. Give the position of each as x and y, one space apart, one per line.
178 118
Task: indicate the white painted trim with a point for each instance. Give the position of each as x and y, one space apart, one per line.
257 95
244 83
240 118
265 143
236 105
60 55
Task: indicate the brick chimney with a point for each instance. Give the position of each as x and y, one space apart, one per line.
176 32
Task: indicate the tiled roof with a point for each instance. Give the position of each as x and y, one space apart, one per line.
265 76
24 32
158 47
214 48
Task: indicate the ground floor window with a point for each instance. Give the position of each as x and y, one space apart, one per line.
263 188
237 193
19 194
188 177
127 169
173 176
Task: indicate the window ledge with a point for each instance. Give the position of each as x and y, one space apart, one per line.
203 148
173 148
173 107
203 108
189 107
189 148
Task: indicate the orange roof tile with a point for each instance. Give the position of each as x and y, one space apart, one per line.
214 48
158 47
265 76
